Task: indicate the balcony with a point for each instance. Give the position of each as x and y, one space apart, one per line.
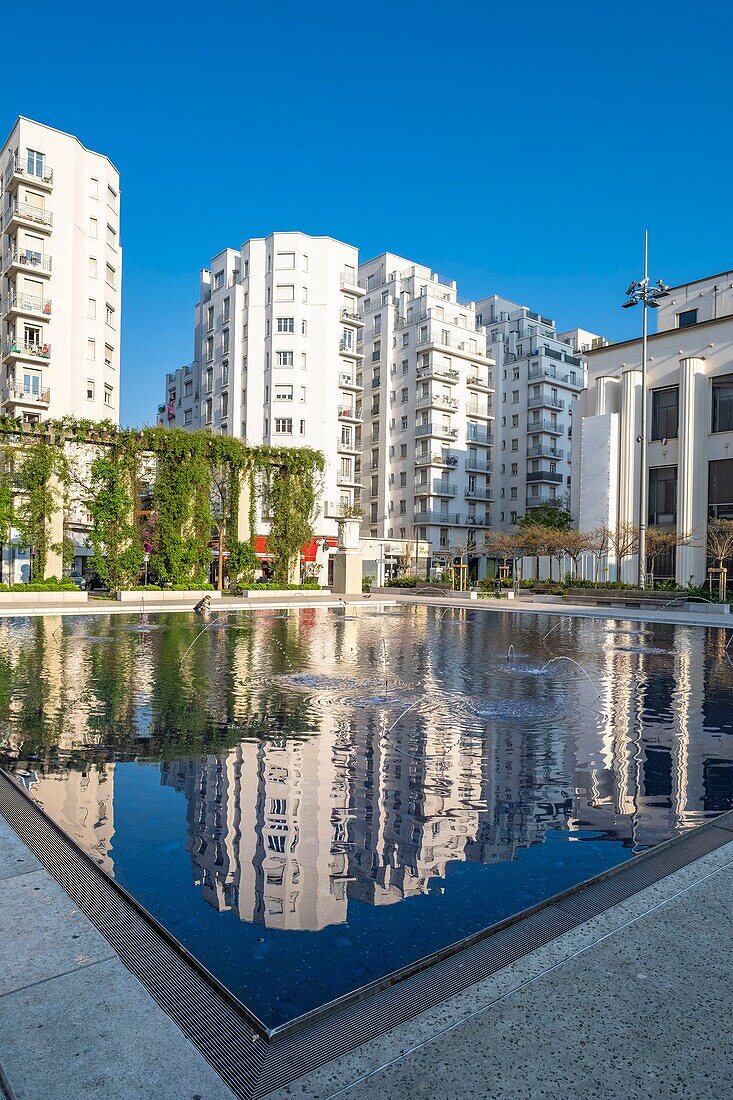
478 465
352 318
436 429
483 411
22 171
347 412
458 346
349 283
16 395
546 476
436 458
28 305
445 519
481 520
476 434
438 400
353 447
24 260
18 349
348 382
349 480
544 452
479 494
548 426
346 347
475 382
449 373
442 488
24 213
541 498
545 401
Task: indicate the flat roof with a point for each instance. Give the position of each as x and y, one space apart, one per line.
24 118
657 335
703 279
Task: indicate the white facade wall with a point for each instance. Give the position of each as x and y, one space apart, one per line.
426 467
61 266
690 368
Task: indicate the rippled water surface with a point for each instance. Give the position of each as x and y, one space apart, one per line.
309 800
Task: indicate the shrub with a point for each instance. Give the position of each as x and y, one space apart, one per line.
50 584
275 586
406 581
366 584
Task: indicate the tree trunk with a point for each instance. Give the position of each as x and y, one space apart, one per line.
220 563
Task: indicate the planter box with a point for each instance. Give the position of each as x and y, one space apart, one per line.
45 599
166 595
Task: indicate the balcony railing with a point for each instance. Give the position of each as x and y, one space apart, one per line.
31 213
478 465
26 397
348 315
474 409
350 279
443 489
353 447
20 167
436 459
478 435
349 413
545 426
479 494
437 399
445 519
477 382
540 498
348 348
346 379
28 303
543 452
35 261
19 347
545 475
436 429
440 372
545 400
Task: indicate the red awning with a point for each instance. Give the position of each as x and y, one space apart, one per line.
308 552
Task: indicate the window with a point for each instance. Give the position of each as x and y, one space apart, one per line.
283 393
187 388
224 405
285 261
219 280
90 389
210 318
403 450
91 308
91 349
304 328
302 427
108 391
663 496
283 425
108 353
286 324
209 348
686 318
110 315
208 408
303 360
92 267
93 188
93 232
225 342
188 416
720 489
224 376
111 198
285 359
209 380
665 413
305 294
225 311
512 517
110 276
112 236
723 403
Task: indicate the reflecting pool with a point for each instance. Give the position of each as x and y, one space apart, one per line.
309 799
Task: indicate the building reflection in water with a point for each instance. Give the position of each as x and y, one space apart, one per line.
319 798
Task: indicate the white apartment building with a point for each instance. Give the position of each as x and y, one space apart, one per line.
538 374
61 264
275 356
427 462
689 428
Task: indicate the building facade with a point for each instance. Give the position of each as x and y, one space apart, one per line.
61 277
427 461
689 427
538 373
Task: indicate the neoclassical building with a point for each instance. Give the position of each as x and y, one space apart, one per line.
689 380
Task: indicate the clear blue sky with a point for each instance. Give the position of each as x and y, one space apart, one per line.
518 148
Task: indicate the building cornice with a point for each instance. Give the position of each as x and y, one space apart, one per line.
700 326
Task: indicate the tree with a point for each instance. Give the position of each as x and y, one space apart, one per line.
551 513
7 506
660 541
575 544
720 546
598 542
501 544
624 540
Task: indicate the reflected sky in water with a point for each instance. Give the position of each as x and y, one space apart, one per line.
310 799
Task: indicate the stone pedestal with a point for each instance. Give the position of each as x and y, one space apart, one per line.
346 572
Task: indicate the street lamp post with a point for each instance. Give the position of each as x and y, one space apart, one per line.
648 296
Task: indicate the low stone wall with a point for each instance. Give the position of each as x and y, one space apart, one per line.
425 593
47 599
283 593
166 595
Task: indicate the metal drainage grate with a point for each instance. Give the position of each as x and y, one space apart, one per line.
253 1060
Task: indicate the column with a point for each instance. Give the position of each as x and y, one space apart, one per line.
629 450
691 485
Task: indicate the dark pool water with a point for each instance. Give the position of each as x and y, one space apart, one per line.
309 801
